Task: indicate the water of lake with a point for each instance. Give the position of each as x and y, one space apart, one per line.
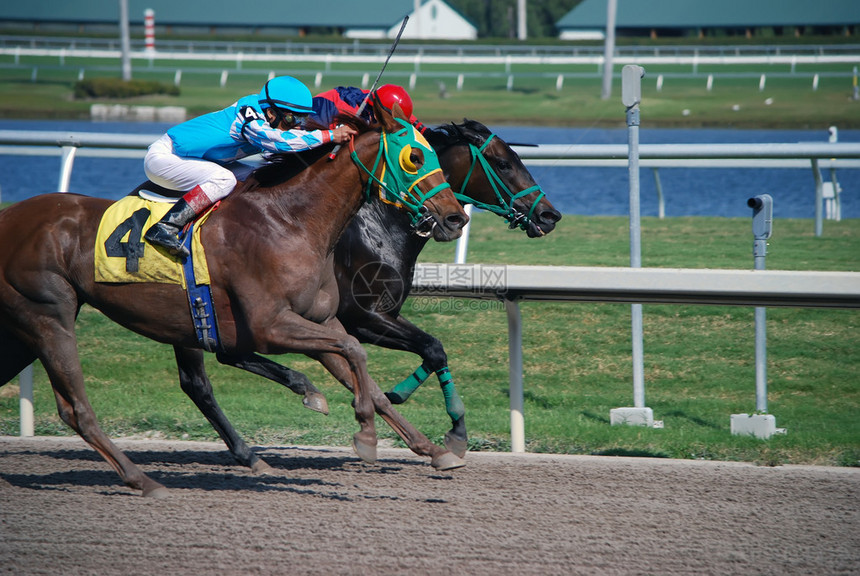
579 190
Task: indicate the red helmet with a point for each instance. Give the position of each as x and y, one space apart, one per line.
388 94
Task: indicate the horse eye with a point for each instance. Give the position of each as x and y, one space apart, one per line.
416 158
504 165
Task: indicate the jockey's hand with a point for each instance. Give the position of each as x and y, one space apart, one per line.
343 133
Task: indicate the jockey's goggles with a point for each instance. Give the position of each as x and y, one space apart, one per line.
288 117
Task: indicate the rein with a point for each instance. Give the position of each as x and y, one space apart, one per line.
505 207
395 177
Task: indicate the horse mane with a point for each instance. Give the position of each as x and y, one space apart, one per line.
447 135
281 166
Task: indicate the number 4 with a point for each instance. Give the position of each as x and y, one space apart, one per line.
132 250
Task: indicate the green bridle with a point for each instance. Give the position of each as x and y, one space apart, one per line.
398 183
506 199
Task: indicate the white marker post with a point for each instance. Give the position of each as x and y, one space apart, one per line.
631 96
149 30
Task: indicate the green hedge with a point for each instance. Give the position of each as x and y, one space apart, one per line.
117 88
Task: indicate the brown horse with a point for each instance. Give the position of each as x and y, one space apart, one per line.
269 251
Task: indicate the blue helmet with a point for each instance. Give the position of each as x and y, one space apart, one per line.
286 93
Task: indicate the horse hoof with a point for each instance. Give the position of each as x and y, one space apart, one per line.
261 468
316 402
395 398
456 445
365 450
157 492
447 461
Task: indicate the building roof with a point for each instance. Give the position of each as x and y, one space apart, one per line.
224 13
713 13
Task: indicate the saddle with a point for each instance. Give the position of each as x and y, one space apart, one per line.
155 193
121 255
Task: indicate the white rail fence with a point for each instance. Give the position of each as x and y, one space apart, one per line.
234 58
442 56
380 48
514 283
814 155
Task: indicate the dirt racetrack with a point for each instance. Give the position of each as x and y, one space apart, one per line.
63 511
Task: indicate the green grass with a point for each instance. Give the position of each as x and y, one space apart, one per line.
787 102
699 360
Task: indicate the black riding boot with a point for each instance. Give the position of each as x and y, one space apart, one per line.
166 231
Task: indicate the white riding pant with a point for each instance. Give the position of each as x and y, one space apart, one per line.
167 169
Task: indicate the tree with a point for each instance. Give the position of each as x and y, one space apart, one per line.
495 18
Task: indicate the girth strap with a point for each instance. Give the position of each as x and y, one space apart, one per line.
200 301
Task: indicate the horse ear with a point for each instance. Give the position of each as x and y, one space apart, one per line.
472 132
397 111
457 129
386 117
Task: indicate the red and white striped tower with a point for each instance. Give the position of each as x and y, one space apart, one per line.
149 29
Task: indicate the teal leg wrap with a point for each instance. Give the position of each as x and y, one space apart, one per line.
404 390
453 403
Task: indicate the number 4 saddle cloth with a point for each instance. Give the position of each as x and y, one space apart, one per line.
122 254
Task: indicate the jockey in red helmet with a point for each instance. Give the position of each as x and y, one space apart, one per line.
348 99
388 94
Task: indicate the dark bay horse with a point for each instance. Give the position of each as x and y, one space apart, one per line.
270 256
374 261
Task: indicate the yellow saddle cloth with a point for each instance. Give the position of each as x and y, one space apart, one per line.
122 254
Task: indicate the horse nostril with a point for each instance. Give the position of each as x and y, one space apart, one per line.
456 221
550 216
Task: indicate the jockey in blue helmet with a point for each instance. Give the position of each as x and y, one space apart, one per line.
192 157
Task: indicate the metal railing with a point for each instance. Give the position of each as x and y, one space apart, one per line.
417 54
374 49
814 155
513 284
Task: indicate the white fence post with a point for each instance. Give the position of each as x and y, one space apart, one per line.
819 197
67 161
661 203
515 373
25 401
463 241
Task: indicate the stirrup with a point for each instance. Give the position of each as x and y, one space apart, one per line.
160 235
